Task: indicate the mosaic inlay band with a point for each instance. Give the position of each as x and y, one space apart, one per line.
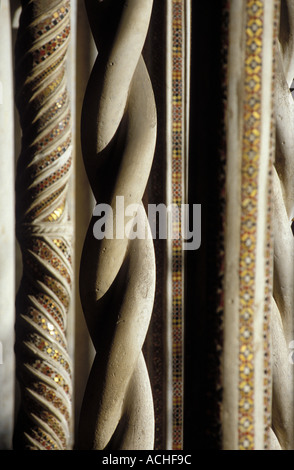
43 227
177 34
253 126
250 167
177 197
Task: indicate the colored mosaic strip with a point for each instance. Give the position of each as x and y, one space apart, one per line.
53 134
52 308
57 290
51 395
53 423
248 235
37 81
42 249
50 350
56 214
53 20
45 93
44 439
46 326
177 198
52 179
44 204
49 372
36 269
47 116
64 248
49 159
46 50
43 363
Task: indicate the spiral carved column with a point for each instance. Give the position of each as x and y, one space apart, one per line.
283 203
43 226
117 275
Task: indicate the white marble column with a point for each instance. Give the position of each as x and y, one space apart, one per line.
247 374
7 237
44 227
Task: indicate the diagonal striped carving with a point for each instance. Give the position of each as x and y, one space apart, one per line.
43 226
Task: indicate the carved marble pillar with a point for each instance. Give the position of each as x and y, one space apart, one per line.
44 228
117 275
247 366
253 342
7 245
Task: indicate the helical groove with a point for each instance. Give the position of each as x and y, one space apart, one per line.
117 274
43 226
283 213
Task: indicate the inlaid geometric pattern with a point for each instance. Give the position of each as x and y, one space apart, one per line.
43 227
178 155
250 168
250 193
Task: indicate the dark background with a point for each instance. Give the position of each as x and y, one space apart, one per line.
203 279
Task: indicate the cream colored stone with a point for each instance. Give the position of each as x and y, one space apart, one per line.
7 243
117 276
43 228
118 323
237 211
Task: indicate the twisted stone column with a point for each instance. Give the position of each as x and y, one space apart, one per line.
283 203
117 275
43 226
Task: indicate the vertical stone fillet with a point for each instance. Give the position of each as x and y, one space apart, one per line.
7 243
283 211
248 261
117 274
44 228
269 251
